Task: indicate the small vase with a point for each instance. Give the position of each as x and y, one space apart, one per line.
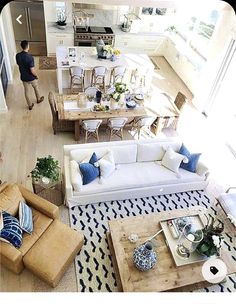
144 257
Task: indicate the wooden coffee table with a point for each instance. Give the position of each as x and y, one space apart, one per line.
165 276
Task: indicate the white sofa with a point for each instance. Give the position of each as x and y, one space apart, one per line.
138 173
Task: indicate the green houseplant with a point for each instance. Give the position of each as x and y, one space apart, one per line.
46 167
212 237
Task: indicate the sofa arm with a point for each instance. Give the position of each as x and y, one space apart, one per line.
11 257
40 203
67 181
202 170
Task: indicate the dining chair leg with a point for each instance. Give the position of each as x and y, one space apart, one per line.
110 135
121 133
97 135
86 136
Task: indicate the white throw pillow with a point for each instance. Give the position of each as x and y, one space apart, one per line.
150 152
172 160
75 176
107 165
81 154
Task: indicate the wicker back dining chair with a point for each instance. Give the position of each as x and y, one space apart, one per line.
117 74
77 78
141 123
90 126
116 125
99 77
59 125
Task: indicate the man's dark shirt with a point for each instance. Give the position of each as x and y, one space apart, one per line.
25 62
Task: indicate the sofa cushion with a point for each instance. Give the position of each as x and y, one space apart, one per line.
172 160
25 217
150 152
11 230
89 171
193 159
75 176
124 154
41 223
10 199
106 165
81 154
137 175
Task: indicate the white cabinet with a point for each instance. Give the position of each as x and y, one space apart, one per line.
54 40
148 44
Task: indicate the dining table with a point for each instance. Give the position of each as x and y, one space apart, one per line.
70 107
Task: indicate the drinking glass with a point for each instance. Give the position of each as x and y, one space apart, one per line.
188 240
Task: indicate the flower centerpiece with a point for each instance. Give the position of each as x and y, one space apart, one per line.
110 53
120 89
212 237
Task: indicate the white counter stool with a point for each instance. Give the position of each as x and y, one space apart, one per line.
99 76
77 78
116 125
141 123
90 127
117 74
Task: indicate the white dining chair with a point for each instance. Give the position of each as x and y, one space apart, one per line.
117 74
141 123
91 91
99 77
90 127
116 125
77 78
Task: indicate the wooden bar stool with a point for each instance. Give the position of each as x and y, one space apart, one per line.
77 78
117 74
99 77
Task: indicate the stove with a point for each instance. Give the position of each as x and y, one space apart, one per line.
87 36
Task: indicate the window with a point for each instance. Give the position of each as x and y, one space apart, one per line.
153 11
197 29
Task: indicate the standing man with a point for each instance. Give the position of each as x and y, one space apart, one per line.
28 74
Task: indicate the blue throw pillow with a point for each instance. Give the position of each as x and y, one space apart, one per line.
25 217
11 230
192 159
88 170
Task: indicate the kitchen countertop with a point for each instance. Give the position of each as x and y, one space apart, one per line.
52 28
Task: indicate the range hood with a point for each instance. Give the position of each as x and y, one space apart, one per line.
86 6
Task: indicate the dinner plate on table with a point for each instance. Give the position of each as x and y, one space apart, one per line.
139 96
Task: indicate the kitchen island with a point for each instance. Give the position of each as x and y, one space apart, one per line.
86 57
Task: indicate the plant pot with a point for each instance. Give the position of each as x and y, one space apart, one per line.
61 27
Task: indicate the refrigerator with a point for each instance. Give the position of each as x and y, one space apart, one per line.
32 26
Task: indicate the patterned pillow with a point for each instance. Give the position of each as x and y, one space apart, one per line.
25 217
11 230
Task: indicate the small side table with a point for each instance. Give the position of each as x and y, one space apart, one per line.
53 192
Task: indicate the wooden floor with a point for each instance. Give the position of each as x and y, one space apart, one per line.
26 135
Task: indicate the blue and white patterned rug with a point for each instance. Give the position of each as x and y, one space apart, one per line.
94 269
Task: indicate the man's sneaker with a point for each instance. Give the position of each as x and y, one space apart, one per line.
31 107
41 99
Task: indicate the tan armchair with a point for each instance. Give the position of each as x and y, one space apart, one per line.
39 251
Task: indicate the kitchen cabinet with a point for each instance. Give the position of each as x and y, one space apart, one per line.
54 40
148 44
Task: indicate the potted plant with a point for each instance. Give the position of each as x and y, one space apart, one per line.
61 19
212 237
46 170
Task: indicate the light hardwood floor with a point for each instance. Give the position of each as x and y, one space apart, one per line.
26 135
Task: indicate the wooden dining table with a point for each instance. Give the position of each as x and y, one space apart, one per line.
68 108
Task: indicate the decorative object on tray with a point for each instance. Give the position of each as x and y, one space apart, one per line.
61 19
212 237
46 170
189 239
144 257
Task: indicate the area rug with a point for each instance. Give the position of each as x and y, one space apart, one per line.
47 63
94 269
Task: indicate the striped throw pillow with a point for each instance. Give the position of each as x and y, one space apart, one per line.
25 217
11 230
